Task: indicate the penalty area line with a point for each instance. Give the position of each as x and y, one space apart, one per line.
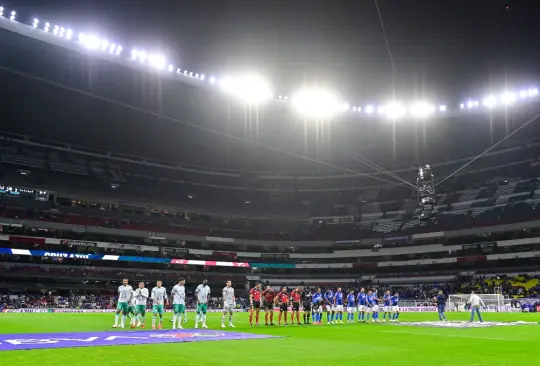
458 336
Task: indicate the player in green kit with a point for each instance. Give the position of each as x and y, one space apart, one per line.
132 311
141 298
125 293
179 303
159 297
203 293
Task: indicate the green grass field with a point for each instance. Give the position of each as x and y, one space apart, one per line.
352 344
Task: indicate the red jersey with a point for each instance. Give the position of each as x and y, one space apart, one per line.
296 296
269 295
283 297
256 293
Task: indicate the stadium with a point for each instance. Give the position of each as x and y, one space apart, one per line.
151 201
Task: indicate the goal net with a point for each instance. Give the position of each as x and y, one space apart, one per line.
494 302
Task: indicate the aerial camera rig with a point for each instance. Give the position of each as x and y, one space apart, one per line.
425 184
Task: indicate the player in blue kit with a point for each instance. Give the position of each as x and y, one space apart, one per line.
338 305
361 300
395 307
369 305
317 301
441 306
350 307
329 297
375 307
387 306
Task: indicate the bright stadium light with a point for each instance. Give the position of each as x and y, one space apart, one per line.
202 77
316 103
89 41
104 45
345 107
442 108
251 89
422 109
35 23
13 15
508 98
47 27
1 11
69 33
157 60
62 31
56 30
532 92
119 50
212 79
170 68
523 94
489 101
112 48
462 105
470 104
369 109
395 110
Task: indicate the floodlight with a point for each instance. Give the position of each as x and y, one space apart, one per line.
462 106
157 60
369 109
380 109
178 71
112 48
316 103
532 92
104 45
170 68
185 72
470 104
119 50
475 103
251 89
442 108
191 73
508 97
13 14
345 107
196 76
134 54
394 110
56 30
1 11
489 101
422 109
202 77
523 94
285 97
142 56
212 79
35 23
62 31
89 41
47 27
69 34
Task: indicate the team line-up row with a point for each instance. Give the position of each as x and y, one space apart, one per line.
133 303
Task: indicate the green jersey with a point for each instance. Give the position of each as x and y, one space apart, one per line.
159 294
203 293
125 293
179 295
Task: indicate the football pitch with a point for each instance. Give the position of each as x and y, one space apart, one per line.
352 344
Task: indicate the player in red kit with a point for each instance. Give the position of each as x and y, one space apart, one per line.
269 296
283 300
255 302
296 296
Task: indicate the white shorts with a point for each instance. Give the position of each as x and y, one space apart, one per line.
386 309
330 307
350 310
368 309
361 308
338 307
395 309
375 308
228 308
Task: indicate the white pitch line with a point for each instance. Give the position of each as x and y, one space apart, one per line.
458 336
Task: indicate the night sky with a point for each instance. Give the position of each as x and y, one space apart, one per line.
443 49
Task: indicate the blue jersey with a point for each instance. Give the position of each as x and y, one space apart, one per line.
338 299
386 300
395 300
441 300
350 300
330 296
370 300
362 298
317 297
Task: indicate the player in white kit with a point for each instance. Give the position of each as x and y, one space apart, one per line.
141 298
159 297
179 303
229 302
203 293
125 293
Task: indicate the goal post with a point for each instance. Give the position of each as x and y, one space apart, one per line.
457 302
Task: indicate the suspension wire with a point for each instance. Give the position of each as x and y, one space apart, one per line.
190 124
387 48
489 148
371 164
